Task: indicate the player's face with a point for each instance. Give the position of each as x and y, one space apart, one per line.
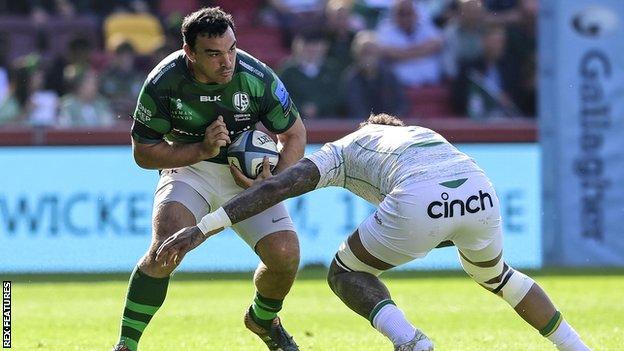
213 58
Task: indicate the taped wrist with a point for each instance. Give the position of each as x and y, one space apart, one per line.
214 220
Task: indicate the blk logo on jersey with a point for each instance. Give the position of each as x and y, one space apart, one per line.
448 209
204 98
240 101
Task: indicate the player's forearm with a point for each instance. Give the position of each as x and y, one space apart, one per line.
297 180
292 151
292 147
164 155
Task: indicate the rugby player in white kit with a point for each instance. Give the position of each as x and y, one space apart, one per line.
427 192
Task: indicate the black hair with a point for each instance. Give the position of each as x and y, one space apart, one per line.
209 21
124 47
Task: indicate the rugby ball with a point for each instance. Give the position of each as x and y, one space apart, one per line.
249 149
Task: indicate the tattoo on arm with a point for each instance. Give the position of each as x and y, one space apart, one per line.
294 181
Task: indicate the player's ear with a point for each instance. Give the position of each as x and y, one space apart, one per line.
190 53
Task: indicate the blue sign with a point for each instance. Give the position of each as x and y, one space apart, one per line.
88 209
581 123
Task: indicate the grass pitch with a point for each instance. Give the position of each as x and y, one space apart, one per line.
204 312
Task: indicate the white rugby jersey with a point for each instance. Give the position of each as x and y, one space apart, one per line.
375 159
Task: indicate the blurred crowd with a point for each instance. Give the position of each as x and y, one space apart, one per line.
81 63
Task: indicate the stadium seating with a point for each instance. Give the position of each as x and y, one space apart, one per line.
51 38
20 34
144 31
261 41
429 101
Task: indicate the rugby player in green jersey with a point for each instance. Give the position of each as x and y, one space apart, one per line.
192 105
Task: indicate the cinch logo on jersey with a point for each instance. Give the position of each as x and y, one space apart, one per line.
204 98
446 209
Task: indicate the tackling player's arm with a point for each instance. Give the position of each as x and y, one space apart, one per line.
162 154
294 181
299 179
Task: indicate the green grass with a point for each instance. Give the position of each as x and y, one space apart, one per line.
204 312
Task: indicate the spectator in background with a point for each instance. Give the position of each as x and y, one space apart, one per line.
178 8
340 25
10 109
369 85
76 61
482 87
84 106
4 67
121 82
292 15
412 43
311 79
371 10
159 54
29 102
505 12
521 54
462 35
65 9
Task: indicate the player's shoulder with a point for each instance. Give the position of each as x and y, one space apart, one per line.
249 64
168 71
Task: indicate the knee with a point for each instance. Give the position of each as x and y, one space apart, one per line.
332 275
281 255
283 259
501 280
488 275
168 219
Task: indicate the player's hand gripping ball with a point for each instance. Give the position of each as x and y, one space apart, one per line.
248 151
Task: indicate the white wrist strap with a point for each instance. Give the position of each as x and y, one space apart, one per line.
214 220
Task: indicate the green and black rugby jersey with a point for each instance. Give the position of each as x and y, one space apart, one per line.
174 106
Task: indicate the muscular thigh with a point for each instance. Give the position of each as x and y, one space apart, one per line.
176 205
272 220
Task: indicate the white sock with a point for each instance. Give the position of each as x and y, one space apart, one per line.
391 322
567 339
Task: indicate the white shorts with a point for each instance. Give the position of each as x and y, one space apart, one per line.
414 218
206 186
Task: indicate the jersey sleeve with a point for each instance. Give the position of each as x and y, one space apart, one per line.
330 164
279 112
151 118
